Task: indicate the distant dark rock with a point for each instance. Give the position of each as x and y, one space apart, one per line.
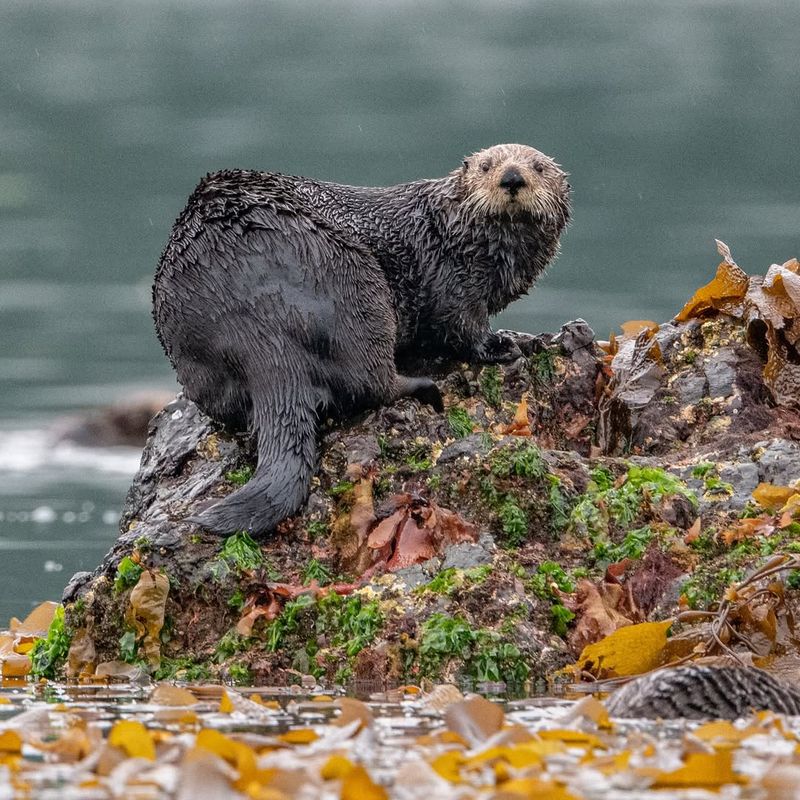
122 424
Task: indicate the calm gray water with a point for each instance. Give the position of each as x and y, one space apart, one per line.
679 122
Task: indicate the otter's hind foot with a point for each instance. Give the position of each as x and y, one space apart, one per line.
424 389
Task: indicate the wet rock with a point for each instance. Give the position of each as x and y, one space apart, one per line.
576 340
743 478
691 394
720 372
362 449
413 576
123 424
467 555
778 461
691 388
668 337
467 448
75 586
527 342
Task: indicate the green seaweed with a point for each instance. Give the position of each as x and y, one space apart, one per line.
514 521
484 653
242 551
549 579
452 578
443 637
128 649
128 574
317 571
606 502
340 488
632 546
349 622
497 661
183 669
240 476
559 507
240 675
524 461
491 385
229 644
317 528
703 468
704 588
542 366
560 617
49 653
459 421
547 582
288 621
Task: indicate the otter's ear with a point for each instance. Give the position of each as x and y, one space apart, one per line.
466 164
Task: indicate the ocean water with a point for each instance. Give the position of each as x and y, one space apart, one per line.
678 122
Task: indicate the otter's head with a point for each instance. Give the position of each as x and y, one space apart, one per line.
511 179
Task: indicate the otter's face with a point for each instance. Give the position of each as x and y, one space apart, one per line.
510 179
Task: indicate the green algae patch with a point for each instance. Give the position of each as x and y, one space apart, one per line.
184 668
611 507
49 654
485 655
514 521
239 552
633 546
551 582
451 579
542 367
714 488
128 574
459 422
523 461
491 385
341 488
525 497
242 551
315 570
240 476
332 629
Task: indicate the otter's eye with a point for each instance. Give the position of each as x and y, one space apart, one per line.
539 167
485 166
466 164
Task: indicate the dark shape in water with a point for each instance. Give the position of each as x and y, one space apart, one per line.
701 692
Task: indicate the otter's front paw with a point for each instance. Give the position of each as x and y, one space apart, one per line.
497 347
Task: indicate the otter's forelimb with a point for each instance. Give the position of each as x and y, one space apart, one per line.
471 335
496 348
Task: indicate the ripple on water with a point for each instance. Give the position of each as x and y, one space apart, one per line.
23 451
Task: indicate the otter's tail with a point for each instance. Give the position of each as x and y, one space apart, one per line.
285 424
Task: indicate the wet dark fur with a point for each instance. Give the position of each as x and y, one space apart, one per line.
278 298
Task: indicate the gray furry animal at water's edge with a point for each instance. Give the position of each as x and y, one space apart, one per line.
702 692
279 298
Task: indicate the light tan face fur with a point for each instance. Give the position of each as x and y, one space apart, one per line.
513 178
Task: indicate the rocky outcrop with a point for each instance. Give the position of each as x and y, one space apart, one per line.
456 545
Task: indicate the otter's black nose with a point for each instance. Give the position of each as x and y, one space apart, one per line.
512 181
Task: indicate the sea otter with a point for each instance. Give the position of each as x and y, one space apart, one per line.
280 298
